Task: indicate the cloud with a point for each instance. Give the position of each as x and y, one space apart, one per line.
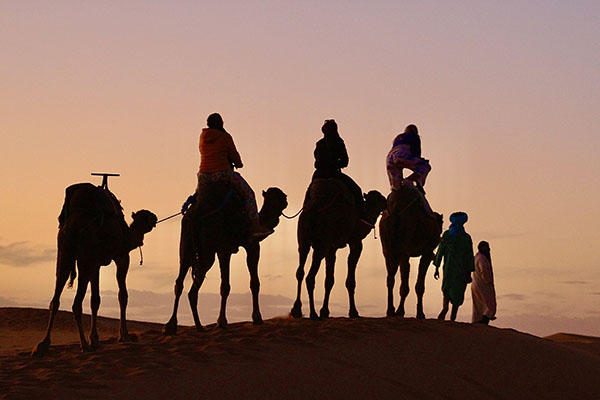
574 282
24 254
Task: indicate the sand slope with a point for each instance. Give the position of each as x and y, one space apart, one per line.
296 359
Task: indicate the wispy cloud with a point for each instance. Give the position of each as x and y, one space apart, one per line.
574 282
24 254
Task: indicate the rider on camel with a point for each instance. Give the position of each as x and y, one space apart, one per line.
218 157
406 153
330 157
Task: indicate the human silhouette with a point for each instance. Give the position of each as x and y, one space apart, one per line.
406 153
218 157
482 287
330 157
456 250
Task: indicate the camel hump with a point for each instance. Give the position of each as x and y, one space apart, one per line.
87 199
328 190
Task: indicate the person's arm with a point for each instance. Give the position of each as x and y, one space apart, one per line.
484 269
439 255
232 153
343 158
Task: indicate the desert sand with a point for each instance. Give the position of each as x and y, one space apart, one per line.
339 358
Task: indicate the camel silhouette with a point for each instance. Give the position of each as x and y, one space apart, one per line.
330 221
92 233
407 230
216 223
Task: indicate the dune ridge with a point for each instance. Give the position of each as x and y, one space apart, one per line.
296 359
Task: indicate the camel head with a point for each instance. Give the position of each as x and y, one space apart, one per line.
375 203
275 201
143 222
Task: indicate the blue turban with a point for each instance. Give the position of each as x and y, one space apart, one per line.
457 220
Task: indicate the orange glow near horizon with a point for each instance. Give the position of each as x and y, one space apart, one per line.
505 97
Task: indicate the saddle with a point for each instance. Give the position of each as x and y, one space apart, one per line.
91 200
401 200
324 192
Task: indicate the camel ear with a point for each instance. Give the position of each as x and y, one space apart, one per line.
133 215
263 193
364 195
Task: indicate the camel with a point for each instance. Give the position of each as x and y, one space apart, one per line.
92 233
216 223
328 222
407 230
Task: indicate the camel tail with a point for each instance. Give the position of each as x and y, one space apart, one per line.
72 277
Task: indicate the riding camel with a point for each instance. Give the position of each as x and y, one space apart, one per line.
329 221
408 230
92 233
217 223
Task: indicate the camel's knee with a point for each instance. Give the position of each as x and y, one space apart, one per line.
310 282
299 274
420 288
391 281
329 281
225 289
350 284
95 302
254 284
404 290
178 289
193 296
123 297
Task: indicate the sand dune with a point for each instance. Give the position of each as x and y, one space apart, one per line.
367 358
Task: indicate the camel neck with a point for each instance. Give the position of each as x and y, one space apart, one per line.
269 217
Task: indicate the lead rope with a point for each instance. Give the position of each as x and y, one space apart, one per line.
293 216
141 256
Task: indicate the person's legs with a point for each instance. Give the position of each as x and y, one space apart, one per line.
247 194
355 191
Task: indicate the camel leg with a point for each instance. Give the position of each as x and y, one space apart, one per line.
82 284
63 269
252 257
404 288
171 325
392 269
303 251
329 281
310 281
420 285
442 314
122 269
205 264
224 266
95 305
355 251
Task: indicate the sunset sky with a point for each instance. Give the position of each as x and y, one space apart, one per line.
505 94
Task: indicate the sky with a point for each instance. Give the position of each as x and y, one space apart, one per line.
505 96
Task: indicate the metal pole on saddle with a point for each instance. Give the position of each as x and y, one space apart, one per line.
104 176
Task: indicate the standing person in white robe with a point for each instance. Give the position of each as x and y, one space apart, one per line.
482 288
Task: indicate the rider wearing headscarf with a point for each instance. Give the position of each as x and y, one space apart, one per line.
331 156
482 288
456 250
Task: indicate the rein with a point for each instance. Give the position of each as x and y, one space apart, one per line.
293 216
